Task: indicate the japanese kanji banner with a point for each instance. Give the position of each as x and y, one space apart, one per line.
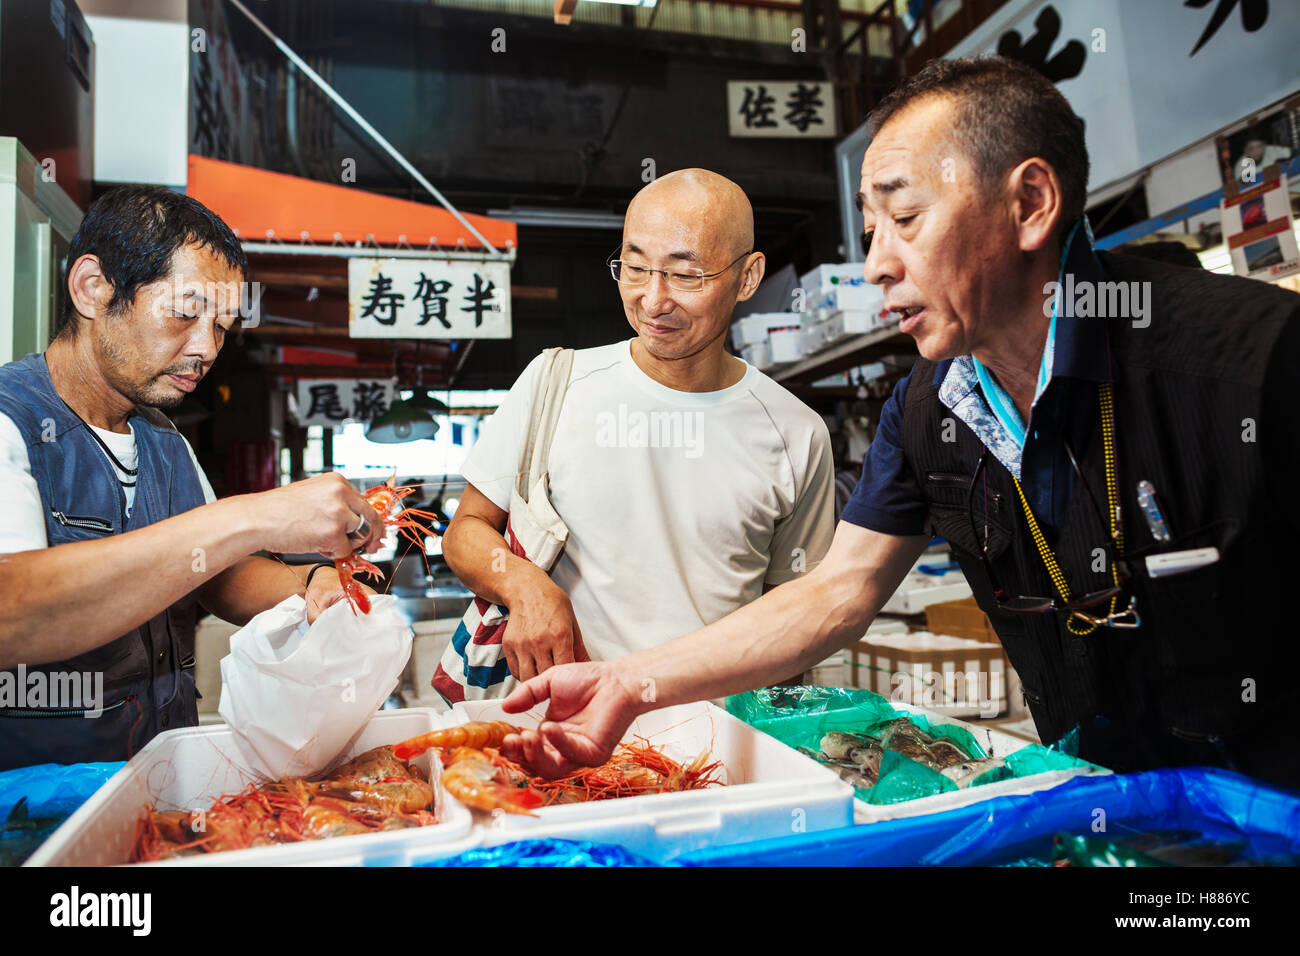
800 110
332 401
428 299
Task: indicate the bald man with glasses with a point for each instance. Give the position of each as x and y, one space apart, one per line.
690 481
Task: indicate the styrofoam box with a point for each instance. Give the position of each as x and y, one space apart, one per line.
918 591
751 330
857 296
840 325
786 344
771 790
995 744
824 278
919 654
188 769
759 356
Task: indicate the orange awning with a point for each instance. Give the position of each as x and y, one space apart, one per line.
261 205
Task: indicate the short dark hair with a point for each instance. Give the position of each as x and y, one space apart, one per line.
1006 113
134 231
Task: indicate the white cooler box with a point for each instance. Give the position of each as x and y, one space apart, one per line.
755 329
771 790
188 769
759 356
839 326
918 591
828 277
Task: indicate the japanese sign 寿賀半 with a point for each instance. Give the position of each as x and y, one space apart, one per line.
428 299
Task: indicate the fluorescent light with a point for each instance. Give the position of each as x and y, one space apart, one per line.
560 218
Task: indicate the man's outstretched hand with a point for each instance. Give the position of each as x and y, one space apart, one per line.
590 709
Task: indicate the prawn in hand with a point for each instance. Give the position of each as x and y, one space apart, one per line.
386 500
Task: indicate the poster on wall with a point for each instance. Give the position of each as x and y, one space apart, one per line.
1258 229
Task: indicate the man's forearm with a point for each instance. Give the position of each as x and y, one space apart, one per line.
65 600
483 561
786 631
250 586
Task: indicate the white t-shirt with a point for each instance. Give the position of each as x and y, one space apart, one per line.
22 527
680 505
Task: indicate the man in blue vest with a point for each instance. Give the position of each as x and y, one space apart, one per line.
1109 445
110 537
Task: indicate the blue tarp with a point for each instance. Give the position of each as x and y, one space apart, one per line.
548 853
1215 803
52 793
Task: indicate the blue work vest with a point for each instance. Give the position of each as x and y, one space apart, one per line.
148 673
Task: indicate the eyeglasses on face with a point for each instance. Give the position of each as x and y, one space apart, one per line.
630 273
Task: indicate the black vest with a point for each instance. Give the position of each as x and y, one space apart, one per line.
146 675
1210 673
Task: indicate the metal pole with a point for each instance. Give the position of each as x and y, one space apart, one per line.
344 105
370 252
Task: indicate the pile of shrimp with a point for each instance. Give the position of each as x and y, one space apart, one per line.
480 777
373 792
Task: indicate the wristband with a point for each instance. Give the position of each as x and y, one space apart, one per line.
314 569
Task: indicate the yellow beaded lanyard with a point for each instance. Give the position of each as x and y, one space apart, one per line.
1112 499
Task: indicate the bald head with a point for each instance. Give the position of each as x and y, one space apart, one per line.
697 206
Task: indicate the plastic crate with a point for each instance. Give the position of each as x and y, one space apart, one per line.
188 769
771 790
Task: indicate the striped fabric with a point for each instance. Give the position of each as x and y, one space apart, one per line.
474 667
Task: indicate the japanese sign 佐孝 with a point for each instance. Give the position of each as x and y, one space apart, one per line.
332 401
799 110
428 299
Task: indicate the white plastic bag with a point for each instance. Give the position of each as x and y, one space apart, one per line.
297 697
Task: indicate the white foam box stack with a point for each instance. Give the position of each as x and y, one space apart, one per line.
759 356
188 769
771 790
751 330
954 676
840 287
918 591
780 332
839 326
995 744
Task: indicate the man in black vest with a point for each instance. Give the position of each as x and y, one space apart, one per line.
1104 441
109 537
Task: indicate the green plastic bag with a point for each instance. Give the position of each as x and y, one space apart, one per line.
801 716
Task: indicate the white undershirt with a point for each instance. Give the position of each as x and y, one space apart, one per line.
22 522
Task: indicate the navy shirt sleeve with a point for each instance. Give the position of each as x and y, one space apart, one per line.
888 498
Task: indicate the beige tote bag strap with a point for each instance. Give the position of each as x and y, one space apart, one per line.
548 398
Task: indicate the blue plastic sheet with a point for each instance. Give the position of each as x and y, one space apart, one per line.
549 853
48 793
1218 804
